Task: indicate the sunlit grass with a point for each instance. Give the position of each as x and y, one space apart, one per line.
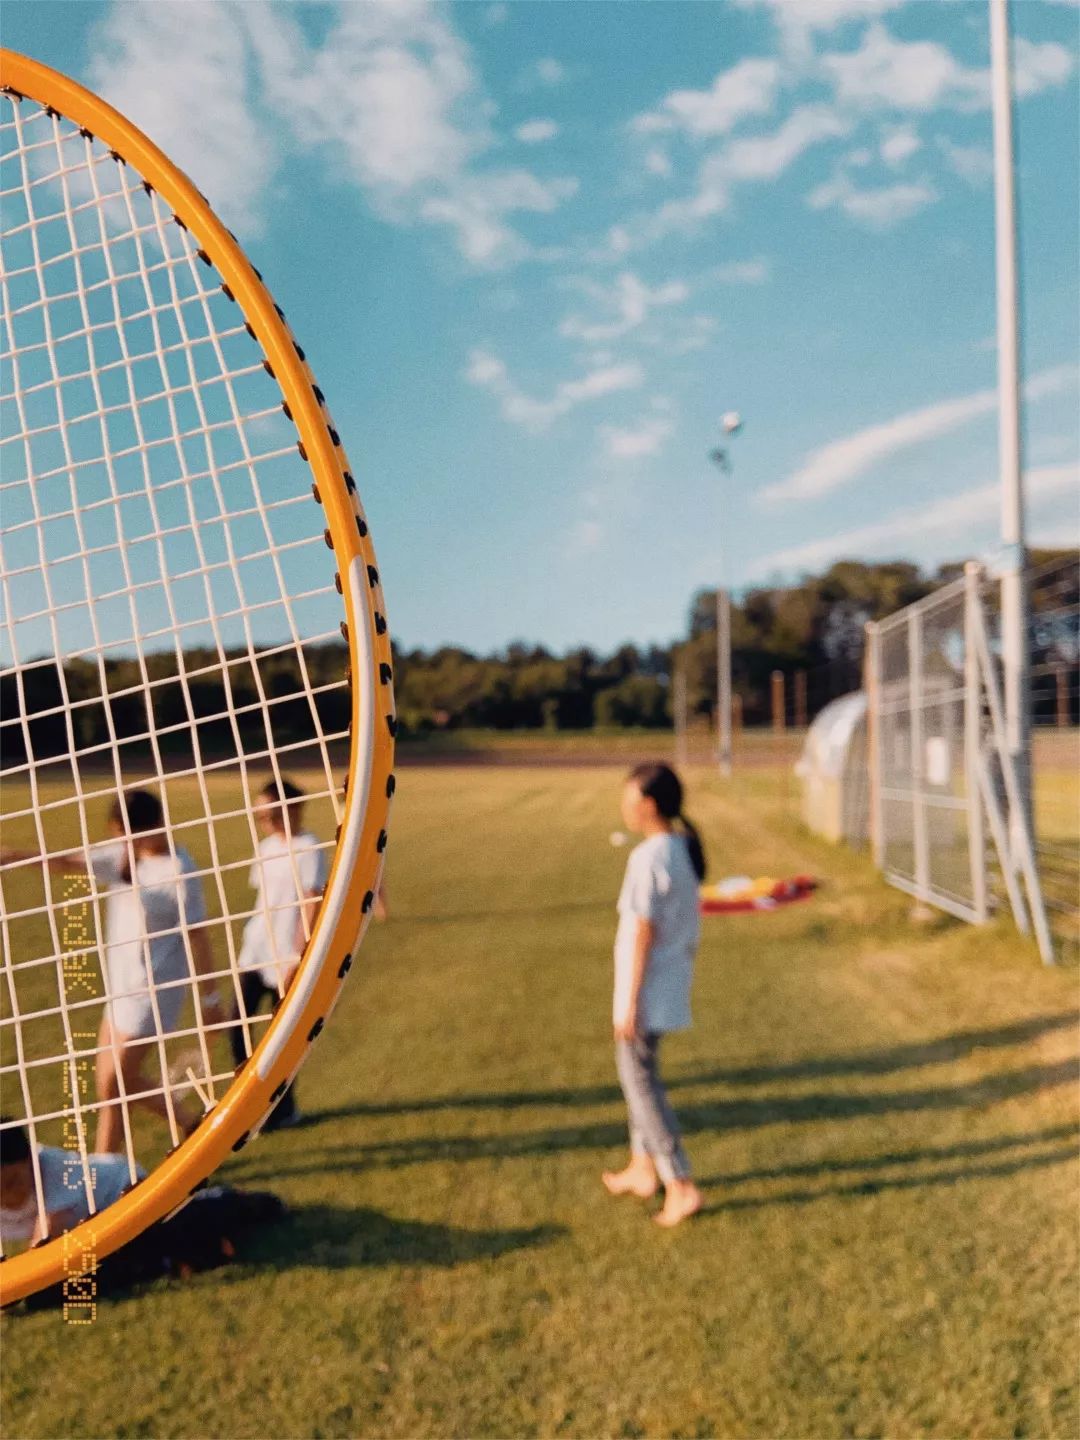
883 1115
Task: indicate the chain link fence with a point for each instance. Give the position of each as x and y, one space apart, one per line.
924 792
944 796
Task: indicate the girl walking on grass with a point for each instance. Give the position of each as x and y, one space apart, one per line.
655 944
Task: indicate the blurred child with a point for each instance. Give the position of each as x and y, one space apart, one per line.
64 1200
655 945
154 914
288 877
203 1234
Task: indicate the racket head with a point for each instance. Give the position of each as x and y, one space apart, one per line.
74 137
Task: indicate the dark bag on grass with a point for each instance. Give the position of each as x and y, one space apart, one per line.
208 1232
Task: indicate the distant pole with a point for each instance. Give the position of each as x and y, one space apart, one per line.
779 716
679 708
723 678
1061 677
1016 661
731 424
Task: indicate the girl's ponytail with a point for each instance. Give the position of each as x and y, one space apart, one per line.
694 845
662 786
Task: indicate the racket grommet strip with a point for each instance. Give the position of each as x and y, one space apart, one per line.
316 1030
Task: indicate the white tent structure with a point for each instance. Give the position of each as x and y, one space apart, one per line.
833 771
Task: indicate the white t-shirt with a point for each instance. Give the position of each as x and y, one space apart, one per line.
63 1187
147 916
283 875
660 886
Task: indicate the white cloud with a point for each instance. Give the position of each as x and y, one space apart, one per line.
695 334
898 146
903 75
545 72
756 158
973 163
741 272
630 300
957 515
1053 381
764 157
877 208
496 15
820 14
1039 67
922 75
150 61
389 96
475 210
657 161
799 20
391 93
535 132
486 371
842 461
638 441
748 88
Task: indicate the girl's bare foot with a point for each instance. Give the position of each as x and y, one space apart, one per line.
639 1178
682 1199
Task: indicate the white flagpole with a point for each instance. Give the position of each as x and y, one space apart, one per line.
1014 599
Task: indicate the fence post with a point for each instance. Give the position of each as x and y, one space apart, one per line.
736 713
872 682
918 756
973 717
778 716
800 700
679 716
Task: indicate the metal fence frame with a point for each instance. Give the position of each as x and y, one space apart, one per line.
983 794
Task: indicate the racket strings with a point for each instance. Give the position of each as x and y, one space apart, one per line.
162 617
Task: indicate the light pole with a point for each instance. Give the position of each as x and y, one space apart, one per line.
731 424
1015 657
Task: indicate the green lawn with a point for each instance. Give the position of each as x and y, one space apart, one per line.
883 1115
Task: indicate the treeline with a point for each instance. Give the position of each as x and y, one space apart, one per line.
243 707
815 627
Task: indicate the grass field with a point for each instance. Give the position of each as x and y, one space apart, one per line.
883 1117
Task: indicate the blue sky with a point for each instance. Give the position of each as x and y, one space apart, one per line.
536 250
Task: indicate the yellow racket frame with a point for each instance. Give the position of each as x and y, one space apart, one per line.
357 863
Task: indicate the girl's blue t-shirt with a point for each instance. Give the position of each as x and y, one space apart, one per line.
63 1188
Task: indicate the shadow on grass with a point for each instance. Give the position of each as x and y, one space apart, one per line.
331 1238
712 1117
963 1150
859 1188
338 1239
941 1051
